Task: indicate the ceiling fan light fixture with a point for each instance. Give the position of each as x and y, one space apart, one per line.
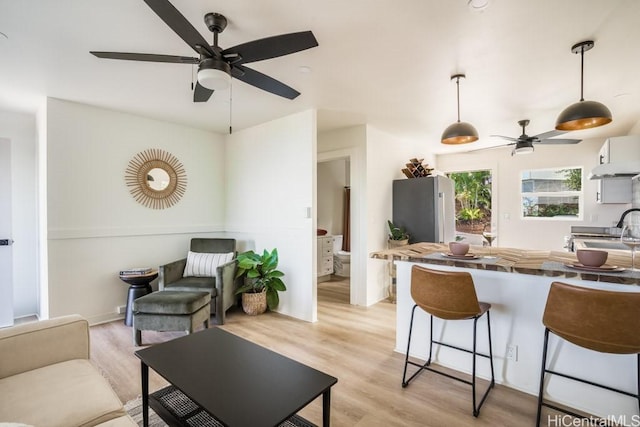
523 147
459 132
583 114
214 74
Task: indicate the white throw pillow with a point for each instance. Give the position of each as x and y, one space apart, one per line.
204 264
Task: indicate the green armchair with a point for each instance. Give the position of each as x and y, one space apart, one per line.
220 281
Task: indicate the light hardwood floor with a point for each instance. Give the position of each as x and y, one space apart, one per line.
354 344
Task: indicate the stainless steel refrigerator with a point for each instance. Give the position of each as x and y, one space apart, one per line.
425 207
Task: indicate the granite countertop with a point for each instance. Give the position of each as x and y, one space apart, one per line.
509 260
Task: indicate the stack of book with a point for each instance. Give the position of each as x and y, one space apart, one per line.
141 271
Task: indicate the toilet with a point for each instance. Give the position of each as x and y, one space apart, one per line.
341 259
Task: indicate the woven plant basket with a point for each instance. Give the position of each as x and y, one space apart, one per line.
254 303
397 243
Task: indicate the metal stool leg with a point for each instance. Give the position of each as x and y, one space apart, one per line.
473 368
542 372
476 409
493 377
638 372
406 357
430 339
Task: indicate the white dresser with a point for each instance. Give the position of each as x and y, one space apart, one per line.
325 257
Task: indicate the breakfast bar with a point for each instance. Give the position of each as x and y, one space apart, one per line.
516 283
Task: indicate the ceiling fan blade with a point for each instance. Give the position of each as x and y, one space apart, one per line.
558 141
508 138
489 148
201 93
549 134
179 24
270 47
146 57
264 82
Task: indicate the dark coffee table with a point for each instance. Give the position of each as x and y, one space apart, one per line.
236 381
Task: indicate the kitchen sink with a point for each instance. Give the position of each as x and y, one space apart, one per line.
609 244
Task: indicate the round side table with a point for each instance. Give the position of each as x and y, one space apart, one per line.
139 285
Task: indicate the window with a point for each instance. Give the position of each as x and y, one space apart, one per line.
552 193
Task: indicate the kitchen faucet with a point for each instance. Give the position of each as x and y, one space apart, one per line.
619 224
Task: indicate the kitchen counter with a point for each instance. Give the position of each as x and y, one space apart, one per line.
522 261
516 283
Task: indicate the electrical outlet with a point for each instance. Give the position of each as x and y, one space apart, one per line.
512 352
121 309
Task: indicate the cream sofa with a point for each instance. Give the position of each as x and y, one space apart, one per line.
46 378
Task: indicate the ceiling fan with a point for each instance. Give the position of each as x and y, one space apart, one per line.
216 66
524 143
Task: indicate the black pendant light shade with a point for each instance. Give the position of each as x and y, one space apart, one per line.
459 132
583 114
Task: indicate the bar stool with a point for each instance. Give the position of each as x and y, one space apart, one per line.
448 295
604 321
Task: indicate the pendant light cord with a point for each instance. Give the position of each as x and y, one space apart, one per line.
582 74
458 97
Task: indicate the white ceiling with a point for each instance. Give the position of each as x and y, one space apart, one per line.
382 62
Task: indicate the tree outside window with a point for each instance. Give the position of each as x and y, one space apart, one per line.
473 200
552 193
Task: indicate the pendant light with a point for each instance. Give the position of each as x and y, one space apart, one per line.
459 132
583 114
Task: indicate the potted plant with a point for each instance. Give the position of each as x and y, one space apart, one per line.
398 236
262 281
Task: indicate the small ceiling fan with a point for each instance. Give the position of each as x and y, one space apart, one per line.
216 66
524 143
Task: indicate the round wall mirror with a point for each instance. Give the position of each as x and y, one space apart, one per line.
156 178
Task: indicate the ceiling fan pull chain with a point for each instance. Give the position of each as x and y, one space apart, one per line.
192 68
230 108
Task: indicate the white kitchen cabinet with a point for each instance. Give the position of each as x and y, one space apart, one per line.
614 190
325 257
618 149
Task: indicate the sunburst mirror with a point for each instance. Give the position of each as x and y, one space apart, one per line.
156 178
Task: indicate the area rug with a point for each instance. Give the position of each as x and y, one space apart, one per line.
180 405
134 409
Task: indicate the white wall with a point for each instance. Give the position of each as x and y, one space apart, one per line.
332 178
95 227
271 178
21 130
376 160
516 232
386 156
635 130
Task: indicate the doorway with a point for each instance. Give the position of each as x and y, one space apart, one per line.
475 223
6 251
333 216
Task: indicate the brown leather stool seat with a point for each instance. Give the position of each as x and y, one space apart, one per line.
448 295
604 321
